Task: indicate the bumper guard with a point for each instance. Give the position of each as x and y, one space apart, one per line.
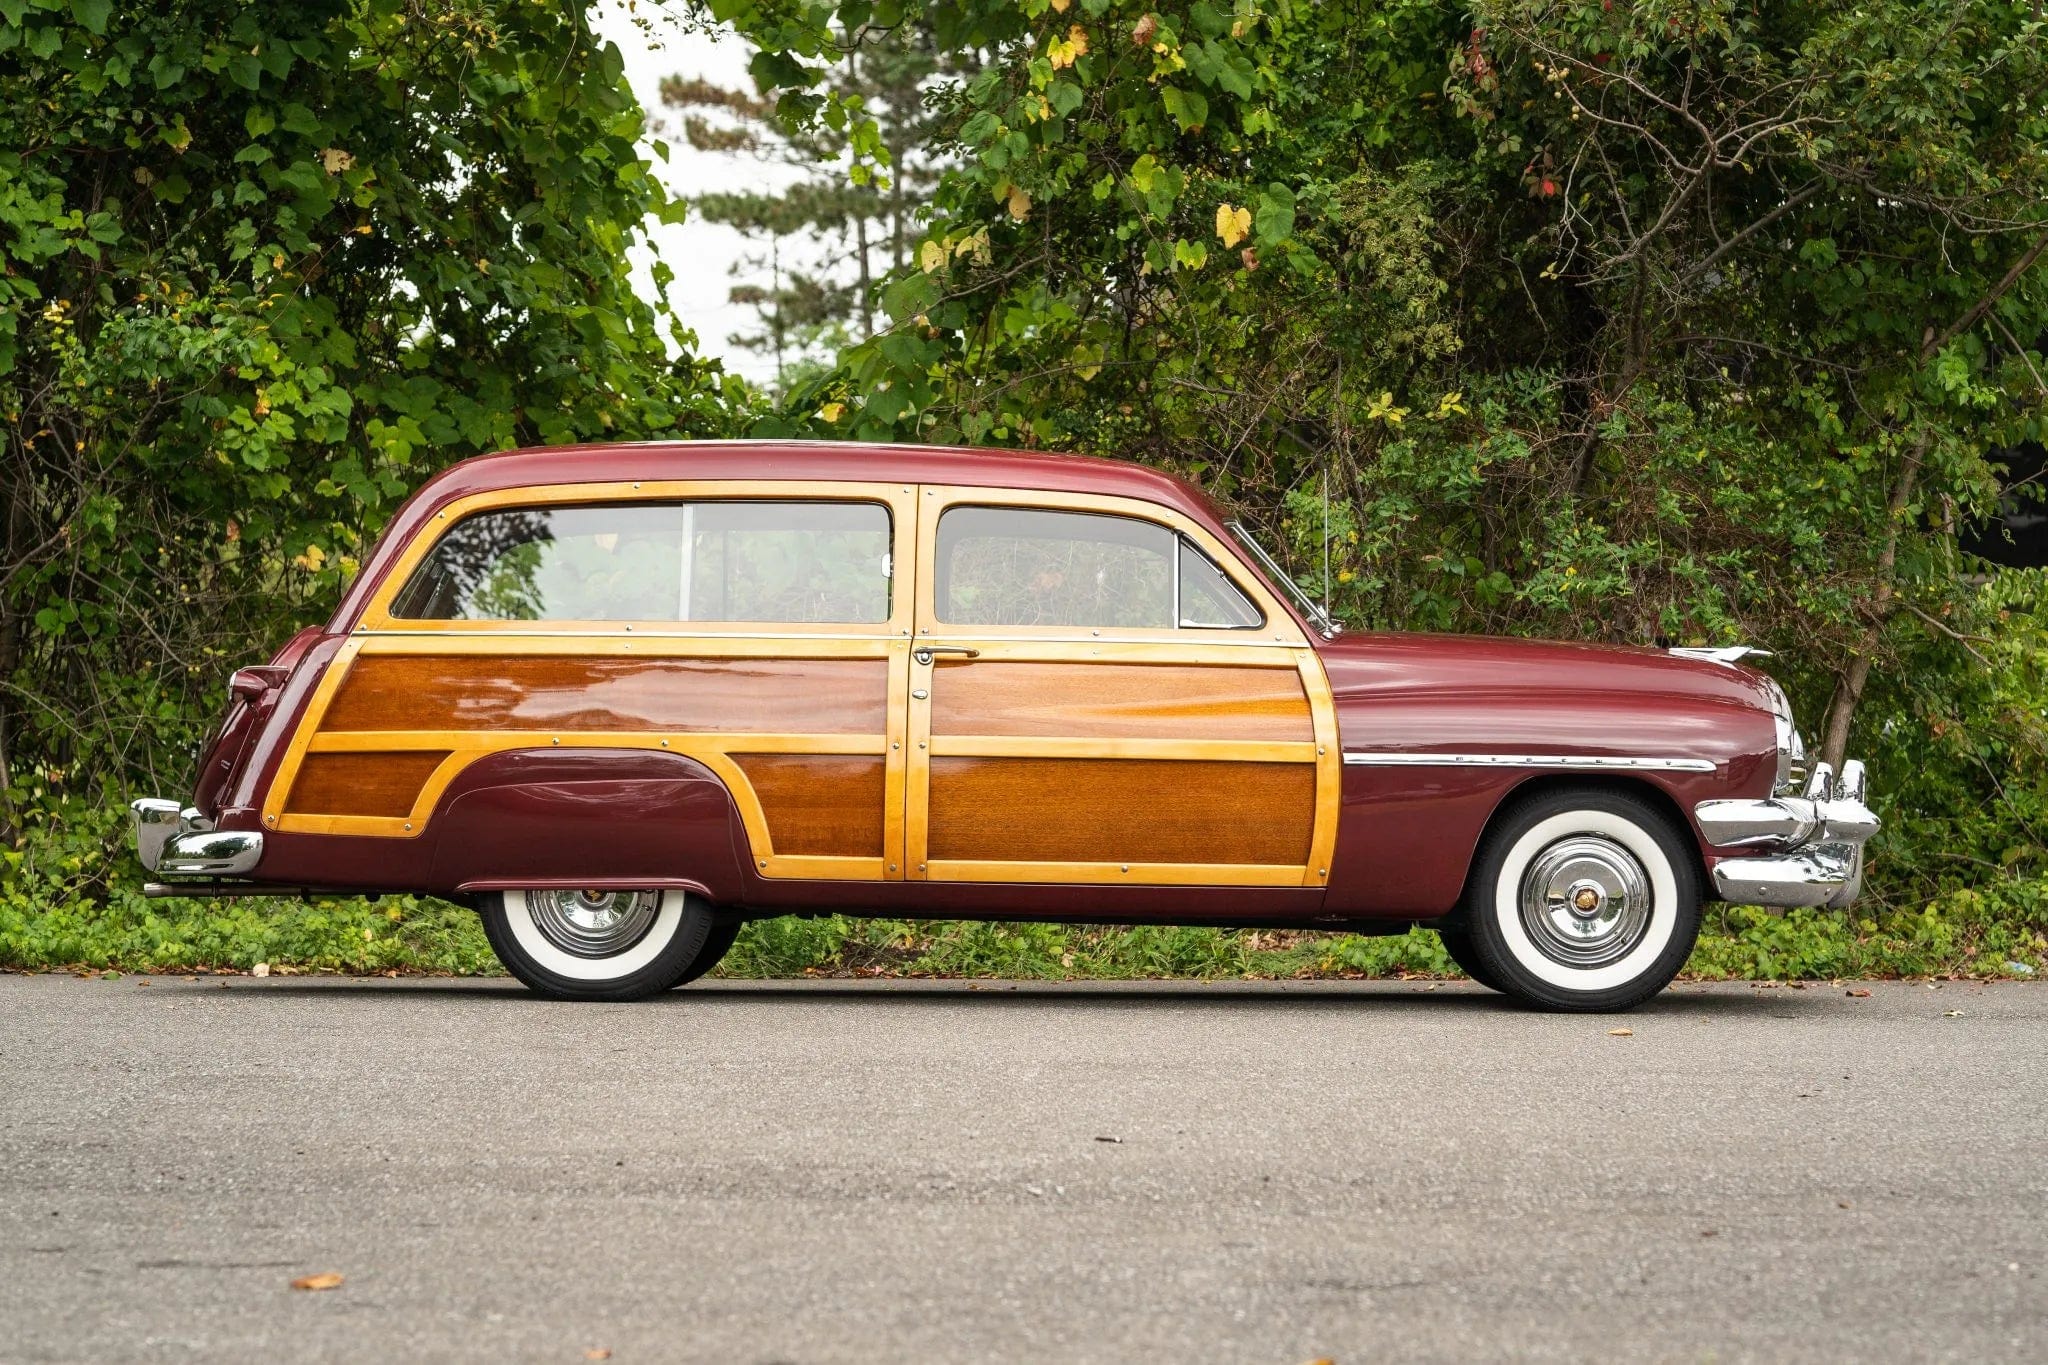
180 842
1811 845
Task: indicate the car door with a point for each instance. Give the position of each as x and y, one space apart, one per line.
1100 693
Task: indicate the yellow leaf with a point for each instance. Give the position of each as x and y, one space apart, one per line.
931 256
312 559
1019 204
1060 6
1232 224
326 1279
1621 1033
336 160
1064 51
262 402
832 412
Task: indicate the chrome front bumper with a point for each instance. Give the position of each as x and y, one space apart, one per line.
180 842
1811 845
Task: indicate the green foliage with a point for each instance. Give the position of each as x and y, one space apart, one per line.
263 267
58 908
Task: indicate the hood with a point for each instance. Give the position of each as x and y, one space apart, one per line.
1476 667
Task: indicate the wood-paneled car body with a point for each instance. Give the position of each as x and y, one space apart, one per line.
623 698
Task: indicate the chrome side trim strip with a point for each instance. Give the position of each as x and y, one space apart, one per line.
1630 764
1204 636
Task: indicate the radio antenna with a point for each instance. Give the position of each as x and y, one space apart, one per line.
1326 542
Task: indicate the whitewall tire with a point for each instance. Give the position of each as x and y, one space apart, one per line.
597 945
1582 899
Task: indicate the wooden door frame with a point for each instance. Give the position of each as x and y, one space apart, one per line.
1279 644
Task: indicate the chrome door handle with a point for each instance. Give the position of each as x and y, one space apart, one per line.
923 653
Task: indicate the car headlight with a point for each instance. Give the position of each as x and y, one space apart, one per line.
1791 748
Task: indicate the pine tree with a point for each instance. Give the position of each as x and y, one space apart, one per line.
812 302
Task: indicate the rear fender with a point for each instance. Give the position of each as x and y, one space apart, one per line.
597 818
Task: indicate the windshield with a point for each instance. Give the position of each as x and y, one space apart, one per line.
1316 615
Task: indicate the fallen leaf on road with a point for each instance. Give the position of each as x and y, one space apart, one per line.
326 1279
260 969
1621 1033
1109 1139
1859 994
1951 1014
598 1353
1710 1232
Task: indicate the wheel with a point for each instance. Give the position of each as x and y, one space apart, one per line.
1582 900
1458 944
597 945
717 944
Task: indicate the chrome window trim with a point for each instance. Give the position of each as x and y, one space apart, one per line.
1161 636
1316 616
1629 763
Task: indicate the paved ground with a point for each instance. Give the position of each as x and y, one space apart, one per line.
826 1172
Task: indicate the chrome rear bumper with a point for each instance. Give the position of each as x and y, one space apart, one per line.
180 842
1812 844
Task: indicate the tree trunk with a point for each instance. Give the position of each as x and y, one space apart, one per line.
1849 683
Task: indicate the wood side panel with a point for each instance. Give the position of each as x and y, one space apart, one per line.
826 804
361 784
569 692
1086 699
1121 811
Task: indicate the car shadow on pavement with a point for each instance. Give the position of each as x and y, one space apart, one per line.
1682 1000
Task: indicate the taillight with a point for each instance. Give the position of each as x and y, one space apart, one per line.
250 684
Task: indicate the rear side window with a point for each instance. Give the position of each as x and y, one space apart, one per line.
784 562
1020 566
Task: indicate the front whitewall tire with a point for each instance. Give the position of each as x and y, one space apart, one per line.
1507 903
1633 874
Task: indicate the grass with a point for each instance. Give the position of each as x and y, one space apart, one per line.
1965 934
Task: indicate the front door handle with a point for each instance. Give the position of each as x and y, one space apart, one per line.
923 653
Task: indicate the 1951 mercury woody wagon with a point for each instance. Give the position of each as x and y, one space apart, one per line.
623 698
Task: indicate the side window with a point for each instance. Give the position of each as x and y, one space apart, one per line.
1023 566
785 562
1208 599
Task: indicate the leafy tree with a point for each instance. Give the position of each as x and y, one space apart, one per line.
1668 321
862 218
263 266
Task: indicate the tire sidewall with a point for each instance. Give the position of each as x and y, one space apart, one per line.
1493 910
650 966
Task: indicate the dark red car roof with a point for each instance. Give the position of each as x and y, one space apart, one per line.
799 461
846 460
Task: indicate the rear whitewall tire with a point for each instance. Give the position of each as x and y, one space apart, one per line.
647 964
1653 870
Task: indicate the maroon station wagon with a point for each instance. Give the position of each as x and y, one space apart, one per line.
621 699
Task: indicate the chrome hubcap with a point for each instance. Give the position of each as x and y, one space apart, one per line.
1585 901
593 923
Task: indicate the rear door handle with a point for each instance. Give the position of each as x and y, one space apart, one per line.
923 653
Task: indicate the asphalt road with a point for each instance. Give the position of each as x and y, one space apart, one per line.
882 1171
